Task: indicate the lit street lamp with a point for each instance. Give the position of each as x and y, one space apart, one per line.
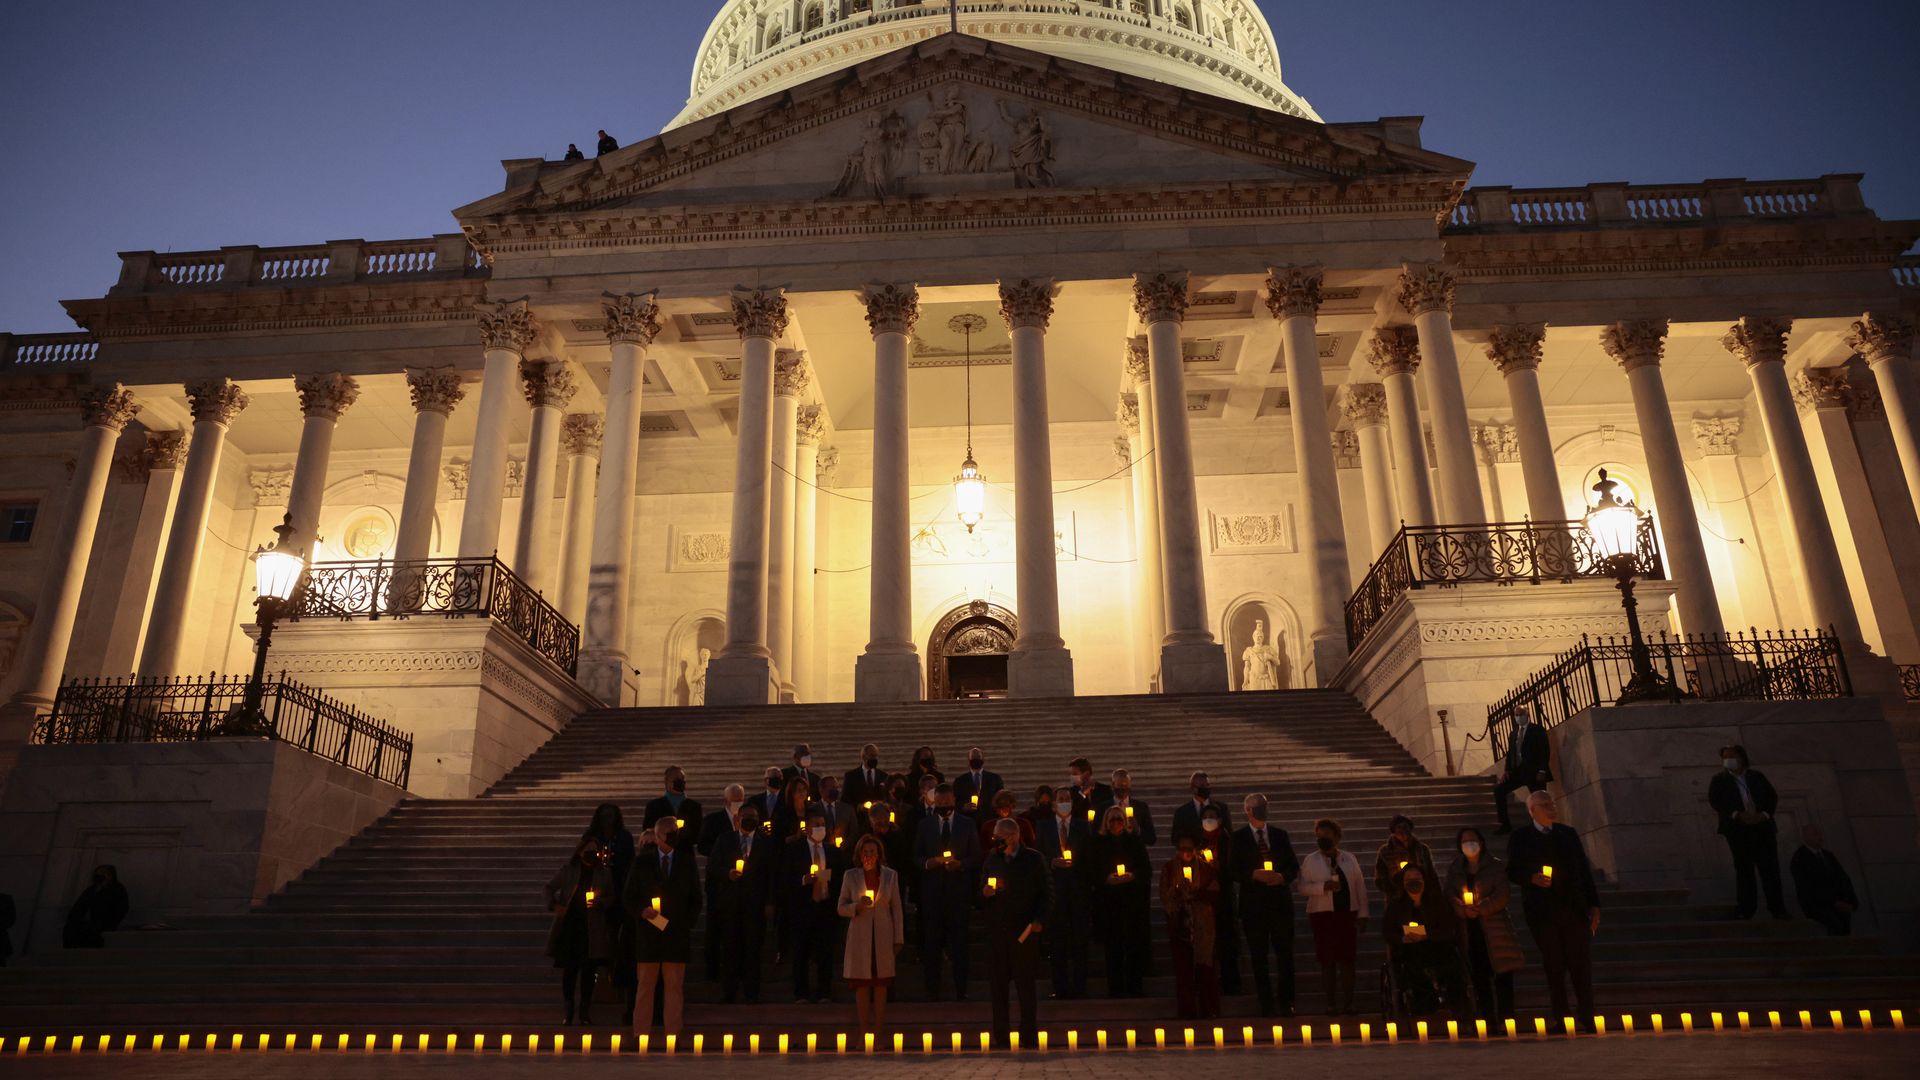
1614 525
276 572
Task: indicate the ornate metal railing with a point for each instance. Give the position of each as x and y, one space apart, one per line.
1507 553
192 710
449 588
1910 681
1774 666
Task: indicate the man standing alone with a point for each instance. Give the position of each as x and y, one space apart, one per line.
1017 895
1562 904
1745 802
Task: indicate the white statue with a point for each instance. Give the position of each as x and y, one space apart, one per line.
1262 667
697 679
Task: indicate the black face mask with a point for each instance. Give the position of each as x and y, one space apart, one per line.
832 796
1203 793
679 785
978 764
873 763
1325 842
773 783
944 811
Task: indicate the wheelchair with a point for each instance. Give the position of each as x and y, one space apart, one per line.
1432 983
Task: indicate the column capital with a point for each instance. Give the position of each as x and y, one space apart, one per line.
791 373
810 426
891 309
326 394
1424 287
1516 346
1138 367
1346 448
1161 297
582 433
1028 302
271 487
164 450
1758 341
1822 388
1396 350
435 389
1122 451
548 384
109 407
760 313
1294 291
1365 404
632 318
505 324
1718 436
1498 443
1880 337
217 399
1128 414
825 465
1635 343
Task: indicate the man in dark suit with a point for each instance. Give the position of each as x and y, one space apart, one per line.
866 783
973 790
715 827
768 801
810 873
1264 867
1562 905
1138 815
740 878
1088 797
1067 845
1822 885
1018 894
1528 764
802 766
674 804
1745 802
663 883
1040 811
947 851
1187 822
842 821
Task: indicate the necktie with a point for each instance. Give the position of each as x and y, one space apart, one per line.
666 866
1262 834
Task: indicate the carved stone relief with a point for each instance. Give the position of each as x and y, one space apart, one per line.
945 142
1252 534
701 550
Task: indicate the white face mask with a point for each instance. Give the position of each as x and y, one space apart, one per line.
1471 847
818 832
733 806
1732 764
1211 825
806 761
1063 809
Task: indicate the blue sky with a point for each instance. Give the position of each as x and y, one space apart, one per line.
185 124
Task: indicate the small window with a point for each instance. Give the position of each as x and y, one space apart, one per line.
16 521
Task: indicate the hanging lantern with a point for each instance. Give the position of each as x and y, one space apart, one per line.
969 488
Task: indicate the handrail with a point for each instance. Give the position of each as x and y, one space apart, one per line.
337 262
1602 205
73 347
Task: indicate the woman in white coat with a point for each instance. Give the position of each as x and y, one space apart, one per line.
1336 893
870 896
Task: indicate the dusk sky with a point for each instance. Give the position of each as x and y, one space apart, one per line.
191 124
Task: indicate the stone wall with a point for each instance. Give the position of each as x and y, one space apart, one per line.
193 828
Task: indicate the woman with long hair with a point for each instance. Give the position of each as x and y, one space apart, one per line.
610 829
870 897
580 897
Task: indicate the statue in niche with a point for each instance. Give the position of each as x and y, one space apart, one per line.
697 679
1263 666
876 165
1031 152
947 146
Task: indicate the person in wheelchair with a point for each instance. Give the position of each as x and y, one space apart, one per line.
1423 950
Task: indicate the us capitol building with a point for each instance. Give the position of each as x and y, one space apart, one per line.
1072 353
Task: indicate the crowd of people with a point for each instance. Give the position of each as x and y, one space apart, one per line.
836 874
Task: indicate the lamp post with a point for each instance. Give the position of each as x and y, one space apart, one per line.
276 572
1614 524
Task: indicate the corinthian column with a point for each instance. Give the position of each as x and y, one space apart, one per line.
549 387
1426 292
742 674
323 398
1190 660
810 426
43 656
506 329
1887 343
1136 420
580 436
215 403
1396 355
1637 346
1040 665
633 321
1515 349
435 392
791 376
1293 297
889 669
1365 405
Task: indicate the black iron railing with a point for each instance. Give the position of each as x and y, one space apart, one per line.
1910 681
1506 553
448 588
1782 666
191 710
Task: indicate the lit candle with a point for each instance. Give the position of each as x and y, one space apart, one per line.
946 854
1089 814
1413 927
656 904
1129 811
839 840
1267 865
739 866
868 805
976 800
993 882
1547 872
1403 864
1120 870
869 896
812 869
679 823
1065 855
590 896
1207 854
890 818
1466 897
1187 871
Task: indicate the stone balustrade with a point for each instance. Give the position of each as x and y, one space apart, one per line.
335 263
77 347
1906 272
1505 208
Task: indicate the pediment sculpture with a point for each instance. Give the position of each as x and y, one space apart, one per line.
946 144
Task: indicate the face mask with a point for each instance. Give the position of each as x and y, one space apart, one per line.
749 825
978 764
773 783
818 833
944 811
1325 842
832 796
1732 764
873 763
1211 825
1415 888
1203 793
1471 847
679 785
1063 809
806 760
1257 811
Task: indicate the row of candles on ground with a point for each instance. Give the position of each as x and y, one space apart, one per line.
478 1043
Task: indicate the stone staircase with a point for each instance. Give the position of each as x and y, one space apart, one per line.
432 918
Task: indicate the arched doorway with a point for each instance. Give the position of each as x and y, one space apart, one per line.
967 652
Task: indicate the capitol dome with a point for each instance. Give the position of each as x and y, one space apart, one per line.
1220 47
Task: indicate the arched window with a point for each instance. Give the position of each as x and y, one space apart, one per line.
815 16
1183 18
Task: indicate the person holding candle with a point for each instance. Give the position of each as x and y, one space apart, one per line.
810 874
1187 816
608 827
796 801
1003 806
1066 844
1123 904
1402 849
1262 864
974 790
876 931
1018 898
1087 795
867 782
675 804
1190 893
1562 904
1423 944
740 883
718 825
581 939
663 891
1477 887
1135 813
842 823
769 800
1336 895
948 853
1215 845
